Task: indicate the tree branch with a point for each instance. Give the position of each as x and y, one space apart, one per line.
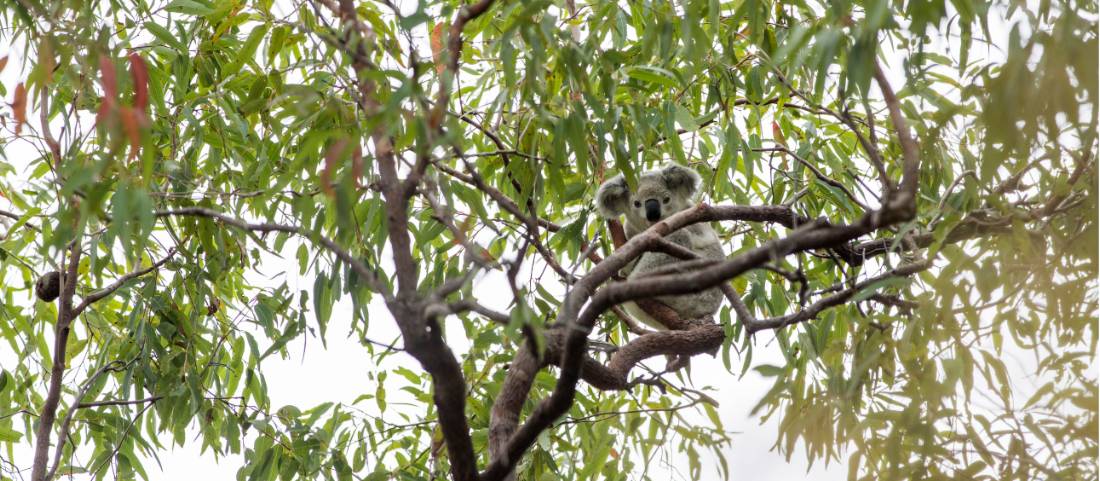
416 318
903 202
361 269
119 402
817 173
753 326
465 305
48 414
815 235
466 14
121 281
66 425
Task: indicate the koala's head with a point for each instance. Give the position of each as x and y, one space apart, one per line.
660 193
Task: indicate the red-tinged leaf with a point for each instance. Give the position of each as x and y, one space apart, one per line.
437 47
131 126
777 134
484 254
110 88
331 157
139 72
19 107
3 62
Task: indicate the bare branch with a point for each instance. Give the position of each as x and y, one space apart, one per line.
10 215
631 324
471 305
904 200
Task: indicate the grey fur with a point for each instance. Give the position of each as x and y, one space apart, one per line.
674 187
611 198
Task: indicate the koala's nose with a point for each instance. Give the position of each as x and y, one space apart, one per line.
652 210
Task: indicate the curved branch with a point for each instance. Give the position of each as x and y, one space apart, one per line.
464 305
903 200
753 326
121 281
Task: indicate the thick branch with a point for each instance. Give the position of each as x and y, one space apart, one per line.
48 415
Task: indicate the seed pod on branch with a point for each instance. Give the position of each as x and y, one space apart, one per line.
48 286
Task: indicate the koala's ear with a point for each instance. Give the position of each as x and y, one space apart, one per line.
681 180
612 197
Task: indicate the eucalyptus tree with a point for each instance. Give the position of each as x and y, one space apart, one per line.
906 189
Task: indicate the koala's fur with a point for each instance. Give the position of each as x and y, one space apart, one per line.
660 194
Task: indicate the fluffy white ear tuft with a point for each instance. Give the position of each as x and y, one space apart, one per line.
612 197
681 180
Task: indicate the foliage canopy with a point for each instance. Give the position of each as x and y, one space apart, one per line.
398 152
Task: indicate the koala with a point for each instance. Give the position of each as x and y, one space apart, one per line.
660 194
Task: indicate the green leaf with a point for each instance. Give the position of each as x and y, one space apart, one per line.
888 283
247 51
191 7
654 75
9 435
768 370
165 36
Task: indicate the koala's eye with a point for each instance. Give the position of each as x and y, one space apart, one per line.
667 199
637 203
